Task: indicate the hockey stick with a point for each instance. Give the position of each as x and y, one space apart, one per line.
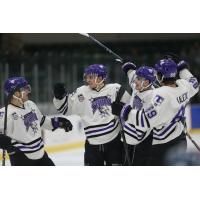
118 98
189 136
125 146
117 57
5 131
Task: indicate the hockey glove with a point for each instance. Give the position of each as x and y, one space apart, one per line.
182 65
125 112
5 142
60 122
116 108
128 66
59 91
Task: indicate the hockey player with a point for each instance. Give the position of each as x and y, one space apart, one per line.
23 140
141 81
171 139
92 102
166 110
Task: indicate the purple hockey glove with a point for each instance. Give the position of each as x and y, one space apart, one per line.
60 122
182 65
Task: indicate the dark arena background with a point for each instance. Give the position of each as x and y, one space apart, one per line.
45 59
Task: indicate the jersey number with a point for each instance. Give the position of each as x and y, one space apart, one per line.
180 115
151 112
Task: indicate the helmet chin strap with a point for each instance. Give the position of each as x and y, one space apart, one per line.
100 84
19 99
144 87
159 80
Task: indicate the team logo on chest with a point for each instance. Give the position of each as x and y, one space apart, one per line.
30 121
101 104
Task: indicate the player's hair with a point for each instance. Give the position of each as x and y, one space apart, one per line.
167 81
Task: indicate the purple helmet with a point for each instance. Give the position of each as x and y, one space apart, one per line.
97 69
147 73
167 67
13 84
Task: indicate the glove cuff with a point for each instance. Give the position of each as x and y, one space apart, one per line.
55 122
128 66
60 97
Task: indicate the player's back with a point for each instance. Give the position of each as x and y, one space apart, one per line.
172 112
169 100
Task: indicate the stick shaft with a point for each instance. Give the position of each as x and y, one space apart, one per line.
106 48
125 147
5 131
195 144
118 58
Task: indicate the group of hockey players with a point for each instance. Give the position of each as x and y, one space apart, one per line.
143 128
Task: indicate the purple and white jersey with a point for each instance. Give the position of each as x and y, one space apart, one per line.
163 113
24 127
171 131
139 101
94 108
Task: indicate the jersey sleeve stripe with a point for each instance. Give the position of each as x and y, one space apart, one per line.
131 127
165 132
64 104
147 121
137 118
65 111
136 133
135 136
142 119
164 136
42 120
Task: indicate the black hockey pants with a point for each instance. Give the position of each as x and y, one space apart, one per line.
109 154
20 159
163 153
139 154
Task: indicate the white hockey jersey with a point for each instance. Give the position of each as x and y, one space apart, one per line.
164 113
139 101
24 127
94 108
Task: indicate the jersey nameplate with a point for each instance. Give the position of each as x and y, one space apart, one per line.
182 98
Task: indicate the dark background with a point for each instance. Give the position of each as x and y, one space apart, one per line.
45 59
